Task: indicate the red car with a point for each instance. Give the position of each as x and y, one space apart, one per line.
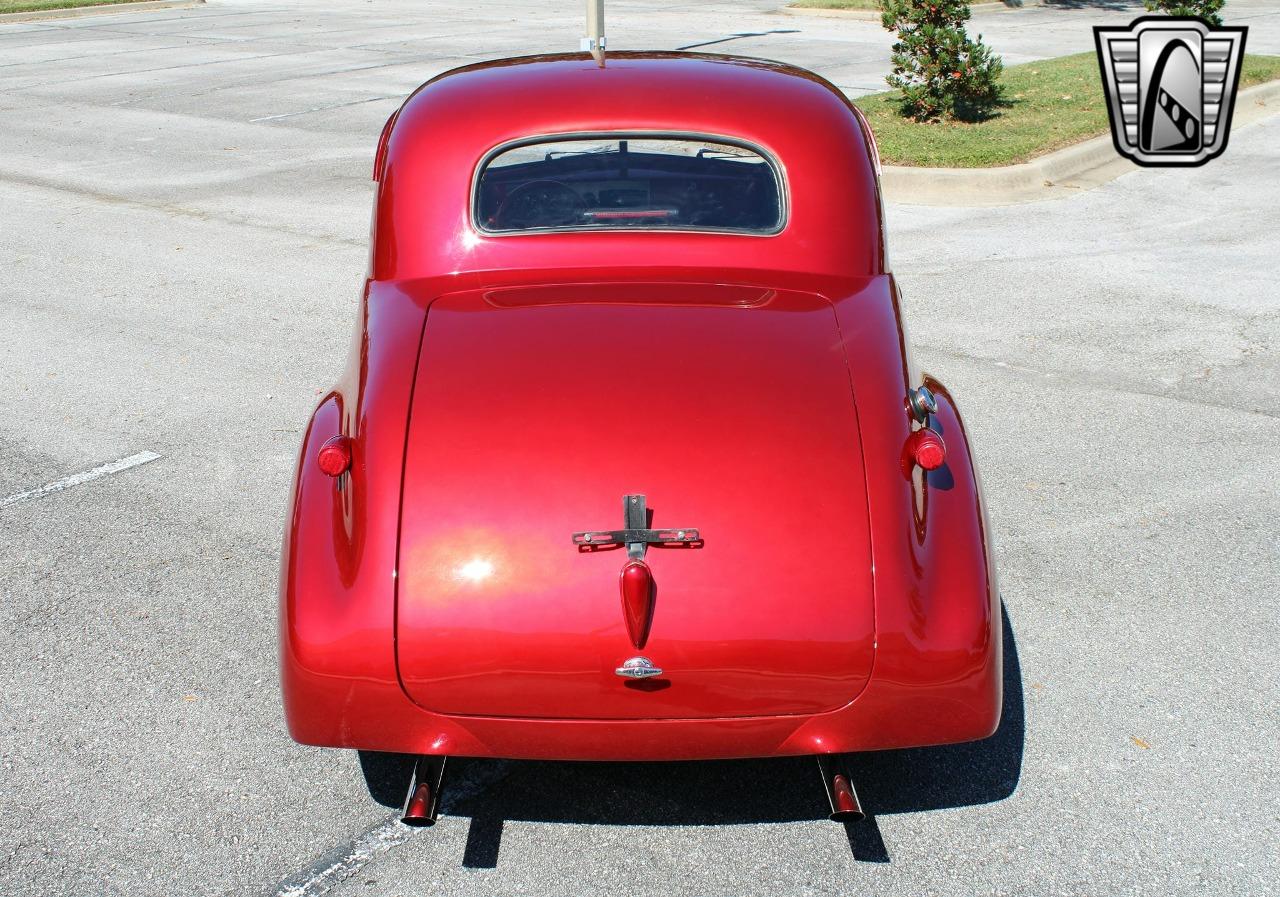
630 460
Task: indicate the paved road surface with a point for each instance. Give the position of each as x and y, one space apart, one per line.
183 203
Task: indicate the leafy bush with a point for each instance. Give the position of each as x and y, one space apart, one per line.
938 68
1205 9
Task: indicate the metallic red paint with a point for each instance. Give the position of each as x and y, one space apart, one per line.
423 226
507 458
434 605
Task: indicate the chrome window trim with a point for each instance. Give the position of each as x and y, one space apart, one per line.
771 159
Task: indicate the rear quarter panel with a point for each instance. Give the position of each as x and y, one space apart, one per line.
339 557
938 673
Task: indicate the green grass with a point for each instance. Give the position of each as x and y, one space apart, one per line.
836 4
37 5
1048 105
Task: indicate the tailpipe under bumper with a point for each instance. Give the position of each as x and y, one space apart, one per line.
422 803
845 806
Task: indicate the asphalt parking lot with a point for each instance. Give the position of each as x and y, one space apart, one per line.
183 206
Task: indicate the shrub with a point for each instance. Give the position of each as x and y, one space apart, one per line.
938 68
1205 9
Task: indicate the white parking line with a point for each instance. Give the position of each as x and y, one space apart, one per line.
338 865
78 478
345 860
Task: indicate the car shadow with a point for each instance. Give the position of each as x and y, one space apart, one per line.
736 792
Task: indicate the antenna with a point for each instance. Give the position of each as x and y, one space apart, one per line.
594 42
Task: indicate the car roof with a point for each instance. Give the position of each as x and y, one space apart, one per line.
639 78
437 140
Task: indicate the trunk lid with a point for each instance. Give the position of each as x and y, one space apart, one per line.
537 409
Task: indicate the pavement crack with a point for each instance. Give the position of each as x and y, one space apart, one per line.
1093 382
31 180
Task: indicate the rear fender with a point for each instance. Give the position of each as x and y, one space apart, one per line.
937 673
337 607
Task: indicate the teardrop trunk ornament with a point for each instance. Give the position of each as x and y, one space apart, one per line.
636 583
636 580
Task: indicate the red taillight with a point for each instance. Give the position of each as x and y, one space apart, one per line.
637 600
335 456
927 449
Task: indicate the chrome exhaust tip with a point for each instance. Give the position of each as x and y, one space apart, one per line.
422 803
845 806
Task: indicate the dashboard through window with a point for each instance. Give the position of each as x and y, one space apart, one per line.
621 182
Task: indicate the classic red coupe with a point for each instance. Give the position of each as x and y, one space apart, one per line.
630 460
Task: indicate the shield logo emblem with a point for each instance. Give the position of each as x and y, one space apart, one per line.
1171 87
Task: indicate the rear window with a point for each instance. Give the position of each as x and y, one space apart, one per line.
622 182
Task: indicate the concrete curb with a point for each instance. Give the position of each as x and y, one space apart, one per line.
873 15
143 5
1082 166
